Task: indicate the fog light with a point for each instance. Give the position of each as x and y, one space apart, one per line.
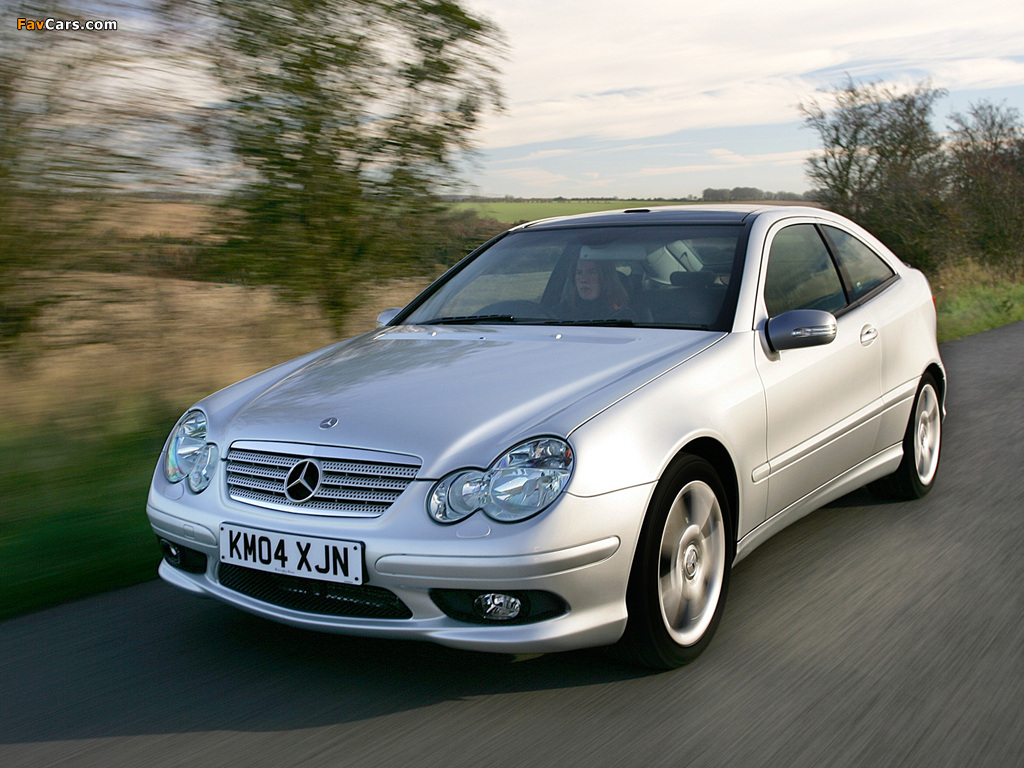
497 607
188 560
172 553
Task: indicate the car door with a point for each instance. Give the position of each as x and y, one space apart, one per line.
822 402
868 278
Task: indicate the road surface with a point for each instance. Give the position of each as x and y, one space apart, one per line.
867 634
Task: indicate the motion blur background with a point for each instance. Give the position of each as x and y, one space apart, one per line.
216 186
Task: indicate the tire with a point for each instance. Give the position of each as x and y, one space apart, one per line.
922 445
680 574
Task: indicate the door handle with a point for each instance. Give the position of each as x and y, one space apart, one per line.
868 334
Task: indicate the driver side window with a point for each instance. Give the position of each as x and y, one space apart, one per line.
801 274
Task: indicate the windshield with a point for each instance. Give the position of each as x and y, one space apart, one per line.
657 276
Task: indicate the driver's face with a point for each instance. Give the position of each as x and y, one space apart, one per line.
588 280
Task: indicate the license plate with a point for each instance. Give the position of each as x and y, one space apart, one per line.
304 556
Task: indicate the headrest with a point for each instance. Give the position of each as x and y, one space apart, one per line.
692 279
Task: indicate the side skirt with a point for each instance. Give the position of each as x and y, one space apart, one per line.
881 464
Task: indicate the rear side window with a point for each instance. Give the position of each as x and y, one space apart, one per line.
801 274
864 268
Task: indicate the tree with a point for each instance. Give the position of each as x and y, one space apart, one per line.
712 195
881 162
746 194
987 173
61 118
348 117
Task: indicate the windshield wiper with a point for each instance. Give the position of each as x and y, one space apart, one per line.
680 326
471 319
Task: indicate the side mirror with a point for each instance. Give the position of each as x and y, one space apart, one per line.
387 316
801 328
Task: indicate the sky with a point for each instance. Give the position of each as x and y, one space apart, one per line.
662 98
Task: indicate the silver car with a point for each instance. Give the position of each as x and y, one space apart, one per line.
569 439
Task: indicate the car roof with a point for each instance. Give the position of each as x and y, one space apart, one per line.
668 214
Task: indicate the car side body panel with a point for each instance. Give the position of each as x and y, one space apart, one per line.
718 399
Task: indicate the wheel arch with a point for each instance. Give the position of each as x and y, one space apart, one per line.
717 455
648 635
940 381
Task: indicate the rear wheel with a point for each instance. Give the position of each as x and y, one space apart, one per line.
922 444
681 569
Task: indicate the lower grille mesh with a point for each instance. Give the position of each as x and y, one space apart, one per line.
313 596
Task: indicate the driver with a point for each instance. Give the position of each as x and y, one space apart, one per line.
596 291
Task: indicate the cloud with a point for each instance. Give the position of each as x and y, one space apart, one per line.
592 70
727 158
965 74
533 177
547 154
678 97
645 112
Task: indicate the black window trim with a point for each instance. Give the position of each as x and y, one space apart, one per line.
844 277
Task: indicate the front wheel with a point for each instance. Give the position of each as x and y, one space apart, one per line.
680 575
922 443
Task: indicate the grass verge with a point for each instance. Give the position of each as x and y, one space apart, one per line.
74 520
971 298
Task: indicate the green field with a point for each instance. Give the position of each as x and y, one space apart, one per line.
515 212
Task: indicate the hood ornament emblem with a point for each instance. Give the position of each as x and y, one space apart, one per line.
328 423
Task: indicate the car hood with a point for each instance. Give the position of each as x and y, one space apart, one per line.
455 395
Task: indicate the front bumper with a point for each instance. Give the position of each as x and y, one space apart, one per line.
584 566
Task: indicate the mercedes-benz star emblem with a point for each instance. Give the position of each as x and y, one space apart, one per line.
328 423
302 481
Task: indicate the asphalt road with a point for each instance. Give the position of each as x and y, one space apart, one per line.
865 635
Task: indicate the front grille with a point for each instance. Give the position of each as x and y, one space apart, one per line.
312 596
349 487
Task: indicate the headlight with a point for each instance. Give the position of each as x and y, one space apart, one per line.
188 453
522 483
203 469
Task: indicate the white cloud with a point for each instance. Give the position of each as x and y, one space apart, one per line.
599 68
537 177
546 154
639 113
727 158
595 74
964 74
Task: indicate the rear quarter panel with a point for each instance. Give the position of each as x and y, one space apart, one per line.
905 314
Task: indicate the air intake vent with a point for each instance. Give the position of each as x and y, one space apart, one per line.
311 596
